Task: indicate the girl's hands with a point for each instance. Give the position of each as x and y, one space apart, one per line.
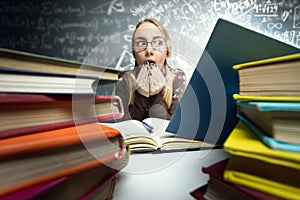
150 80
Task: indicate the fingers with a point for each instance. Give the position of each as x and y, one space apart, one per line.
150 80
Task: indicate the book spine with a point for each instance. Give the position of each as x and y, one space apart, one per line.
31 192
99 185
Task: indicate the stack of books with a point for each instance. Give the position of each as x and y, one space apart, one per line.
269 100
264 146
51 144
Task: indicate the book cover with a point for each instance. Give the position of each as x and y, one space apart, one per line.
94 179
71 187
272 60
269 141
28 61
243 142
29 81
207 111
30 113
277 76
199 192
30 192
279 120
230 190
36 158
56 138
103 191
265 98
265 106
274 179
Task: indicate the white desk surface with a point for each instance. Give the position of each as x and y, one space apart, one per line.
165 176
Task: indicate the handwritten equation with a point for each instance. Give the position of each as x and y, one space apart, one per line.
74 30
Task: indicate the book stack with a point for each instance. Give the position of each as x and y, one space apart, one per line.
264 146
269 100
51 144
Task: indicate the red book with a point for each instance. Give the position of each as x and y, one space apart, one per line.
30 192
218 188
30 113
198 193
99 179
33 159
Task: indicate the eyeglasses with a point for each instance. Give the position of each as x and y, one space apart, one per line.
158 45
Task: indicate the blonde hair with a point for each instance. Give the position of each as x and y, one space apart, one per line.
162 30
166 91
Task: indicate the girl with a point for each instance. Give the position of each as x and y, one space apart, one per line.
152 88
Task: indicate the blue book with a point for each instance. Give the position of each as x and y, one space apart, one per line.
279 120
270 106
207 111
267 140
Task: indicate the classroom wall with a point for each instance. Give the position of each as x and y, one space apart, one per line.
99 31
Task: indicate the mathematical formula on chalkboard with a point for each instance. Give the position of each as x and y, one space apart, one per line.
100 31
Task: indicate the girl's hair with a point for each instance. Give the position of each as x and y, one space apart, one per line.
161 28
167 91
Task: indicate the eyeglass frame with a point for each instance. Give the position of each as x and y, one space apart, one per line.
163 47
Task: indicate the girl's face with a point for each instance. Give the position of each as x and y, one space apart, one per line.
149 44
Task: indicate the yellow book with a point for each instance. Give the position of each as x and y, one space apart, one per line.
274 78
276 180
243 142
268 60
254 165
265 98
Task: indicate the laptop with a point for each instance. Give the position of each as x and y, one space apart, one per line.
207 111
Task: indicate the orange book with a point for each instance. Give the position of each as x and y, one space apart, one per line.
36 158
97 180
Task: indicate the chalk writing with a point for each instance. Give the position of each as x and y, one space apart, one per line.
269 10
142 8
296 20
117 6
74 30
27 8
52 8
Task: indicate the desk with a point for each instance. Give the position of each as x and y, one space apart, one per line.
165 176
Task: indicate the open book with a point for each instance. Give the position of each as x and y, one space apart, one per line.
150 135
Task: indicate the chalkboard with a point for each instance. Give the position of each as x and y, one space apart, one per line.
99 31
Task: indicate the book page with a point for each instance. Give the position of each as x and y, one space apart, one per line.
136 128
140 136
129 128
168 140
159 126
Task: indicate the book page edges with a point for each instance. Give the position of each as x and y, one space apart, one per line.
264 185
